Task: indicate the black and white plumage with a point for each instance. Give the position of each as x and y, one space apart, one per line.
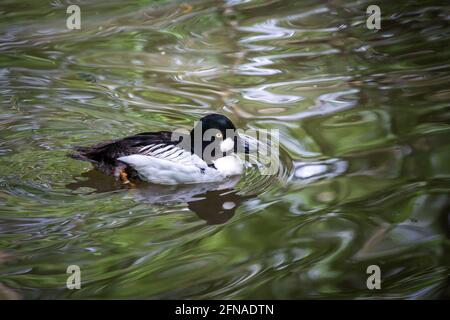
159 157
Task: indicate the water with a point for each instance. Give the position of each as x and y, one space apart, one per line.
365 153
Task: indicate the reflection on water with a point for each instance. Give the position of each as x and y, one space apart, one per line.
215 203
363 117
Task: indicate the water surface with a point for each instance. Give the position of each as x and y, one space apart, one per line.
365 150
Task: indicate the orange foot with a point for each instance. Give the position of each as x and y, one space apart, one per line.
124 177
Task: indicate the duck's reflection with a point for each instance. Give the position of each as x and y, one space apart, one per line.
215 203
95 180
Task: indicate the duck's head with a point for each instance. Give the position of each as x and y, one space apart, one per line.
215 136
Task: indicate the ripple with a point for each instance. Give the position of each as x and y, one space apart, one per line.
361 175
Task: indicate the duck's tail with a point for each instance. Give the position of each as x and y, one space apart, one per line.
84 154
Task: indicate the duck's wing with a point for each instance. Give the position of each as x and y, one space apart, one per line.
171 152
169 164
156 157
108 152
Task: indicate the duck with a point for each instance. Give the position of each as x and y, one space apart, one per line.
208 153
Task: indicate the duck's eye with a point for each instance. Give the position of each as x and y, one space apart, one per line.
219 135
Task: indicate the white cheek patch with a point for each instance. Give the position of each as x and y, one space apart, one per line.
227 145
228 205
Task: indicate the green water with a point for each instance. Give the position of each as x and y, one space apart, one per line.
364 173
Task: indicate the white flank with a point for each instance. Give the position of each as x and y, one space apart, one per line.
170 165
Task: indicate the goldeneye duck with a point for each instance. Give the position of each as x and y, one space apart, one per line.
207 154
